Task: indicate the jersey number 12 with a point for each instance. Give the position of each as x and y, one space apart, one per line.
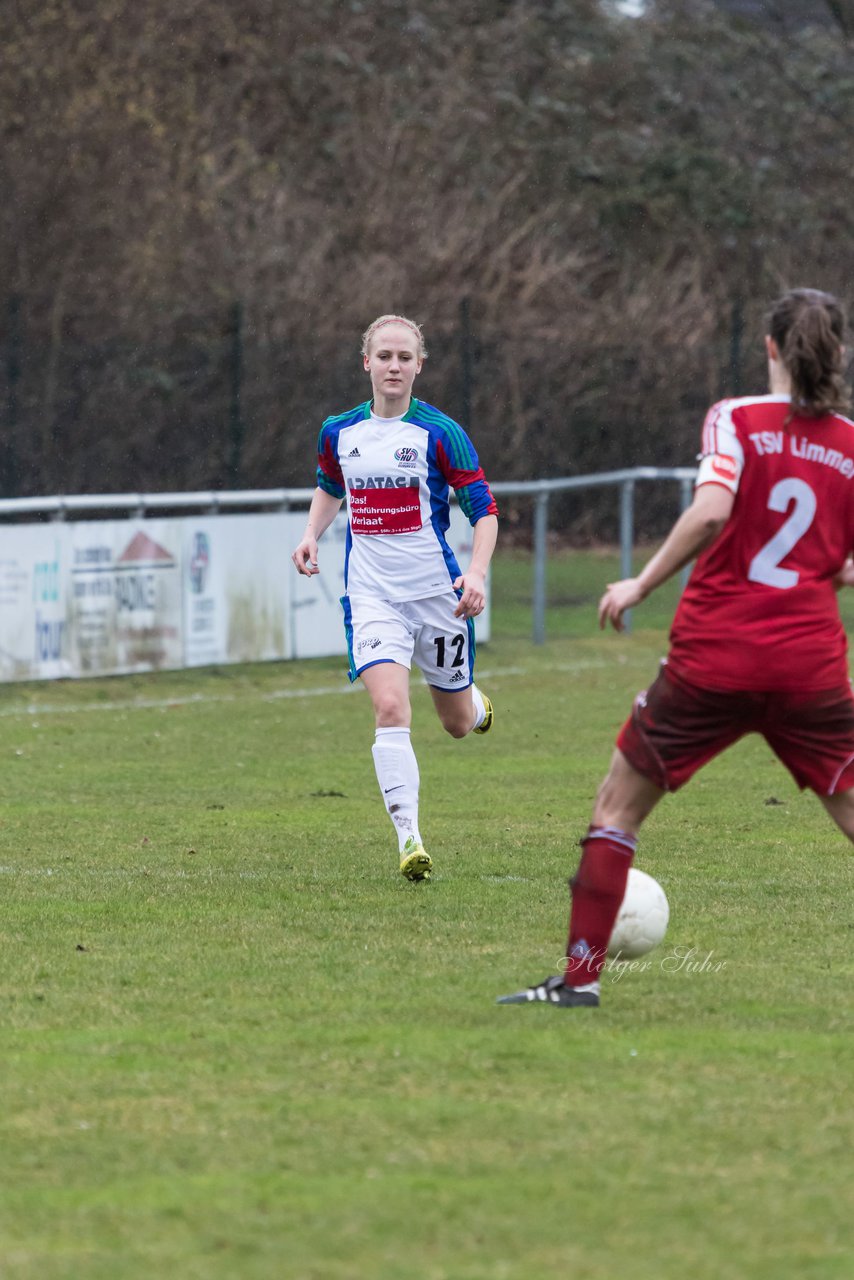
457 643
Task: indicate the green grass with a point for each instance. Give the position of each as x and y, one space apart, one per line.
236 1044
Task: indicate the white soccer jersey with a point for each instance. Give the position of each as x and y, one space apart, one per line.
395 474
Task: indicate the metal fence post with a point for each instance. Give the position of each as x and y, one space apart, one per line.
541 527
9 469
235 411
736 342
627 522
467 362
686 493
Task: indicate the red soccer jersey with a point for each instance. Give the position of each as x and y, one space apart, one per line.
760 611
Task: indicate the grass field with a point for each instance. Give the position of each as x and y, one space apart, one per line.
237 1045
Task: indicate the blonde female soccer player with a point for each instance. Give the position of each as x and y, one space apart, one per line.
394 459
757 644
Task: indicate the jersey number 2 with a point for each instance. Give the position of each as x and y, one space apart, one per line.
765 565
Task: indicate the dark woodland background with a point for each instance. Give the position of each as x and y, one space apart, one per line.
204 205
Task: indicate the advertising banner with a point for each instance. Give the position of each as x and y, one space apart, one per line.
237 580
126 602
108 597
317 619
34 585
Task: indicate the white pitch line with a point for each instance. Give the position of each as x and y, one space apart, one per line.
121 873
202 699
180 873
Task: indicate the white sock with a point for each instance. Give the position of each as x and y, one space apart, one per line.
397 774
479 707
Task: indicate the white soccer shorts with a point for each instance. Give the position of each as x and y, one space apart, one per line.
421 631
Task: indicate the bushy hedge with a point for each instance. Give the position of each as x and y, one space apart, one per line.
208 202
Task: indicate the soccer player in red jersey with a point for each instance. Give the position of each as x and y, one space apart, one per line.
757 643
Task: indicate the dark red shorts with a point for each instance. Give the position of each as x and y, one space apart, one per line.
675 728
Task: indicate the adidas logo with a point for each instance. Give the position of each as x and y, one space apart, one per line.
354 453
457 677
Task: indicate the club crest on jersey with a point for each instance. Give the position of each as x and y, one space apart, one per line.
725 467
406 456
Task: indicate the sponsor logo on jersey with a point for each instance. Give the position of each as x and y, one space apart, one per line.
382 482
380 510
406 456
354 453
725 467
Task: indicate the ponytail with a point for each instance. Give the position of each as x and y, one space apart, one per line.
809 329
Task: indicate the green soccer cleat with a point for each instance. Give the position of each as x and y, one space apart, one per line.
415 863
488 716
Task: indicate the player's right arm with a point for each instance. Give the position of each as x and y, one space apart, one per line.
694 531
323 510
718 477
326 502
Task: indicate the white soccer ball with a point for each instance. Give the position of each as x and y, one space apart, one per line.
642 920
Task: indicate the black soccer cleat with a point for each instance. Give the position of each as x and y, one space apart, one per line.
554 991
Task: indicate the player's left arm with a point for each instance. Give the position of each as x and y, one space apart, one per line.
472 583
694 531
458 462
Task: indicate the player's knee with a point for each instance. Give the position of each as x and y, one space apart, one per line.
391 710
457 726
841 809
625 797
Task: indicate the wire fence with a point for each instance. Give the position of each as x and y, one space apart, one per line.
221 400
541 492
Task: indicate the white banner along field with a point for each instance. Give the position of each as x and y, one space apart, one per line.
111 597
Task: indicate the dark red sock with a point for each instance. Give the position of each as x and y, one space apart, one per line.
598 888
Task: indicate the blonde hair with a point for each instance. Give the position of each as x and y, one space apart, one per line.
381 321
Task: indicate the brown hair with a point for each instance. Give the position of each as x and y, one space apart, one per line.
809 329
382 321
